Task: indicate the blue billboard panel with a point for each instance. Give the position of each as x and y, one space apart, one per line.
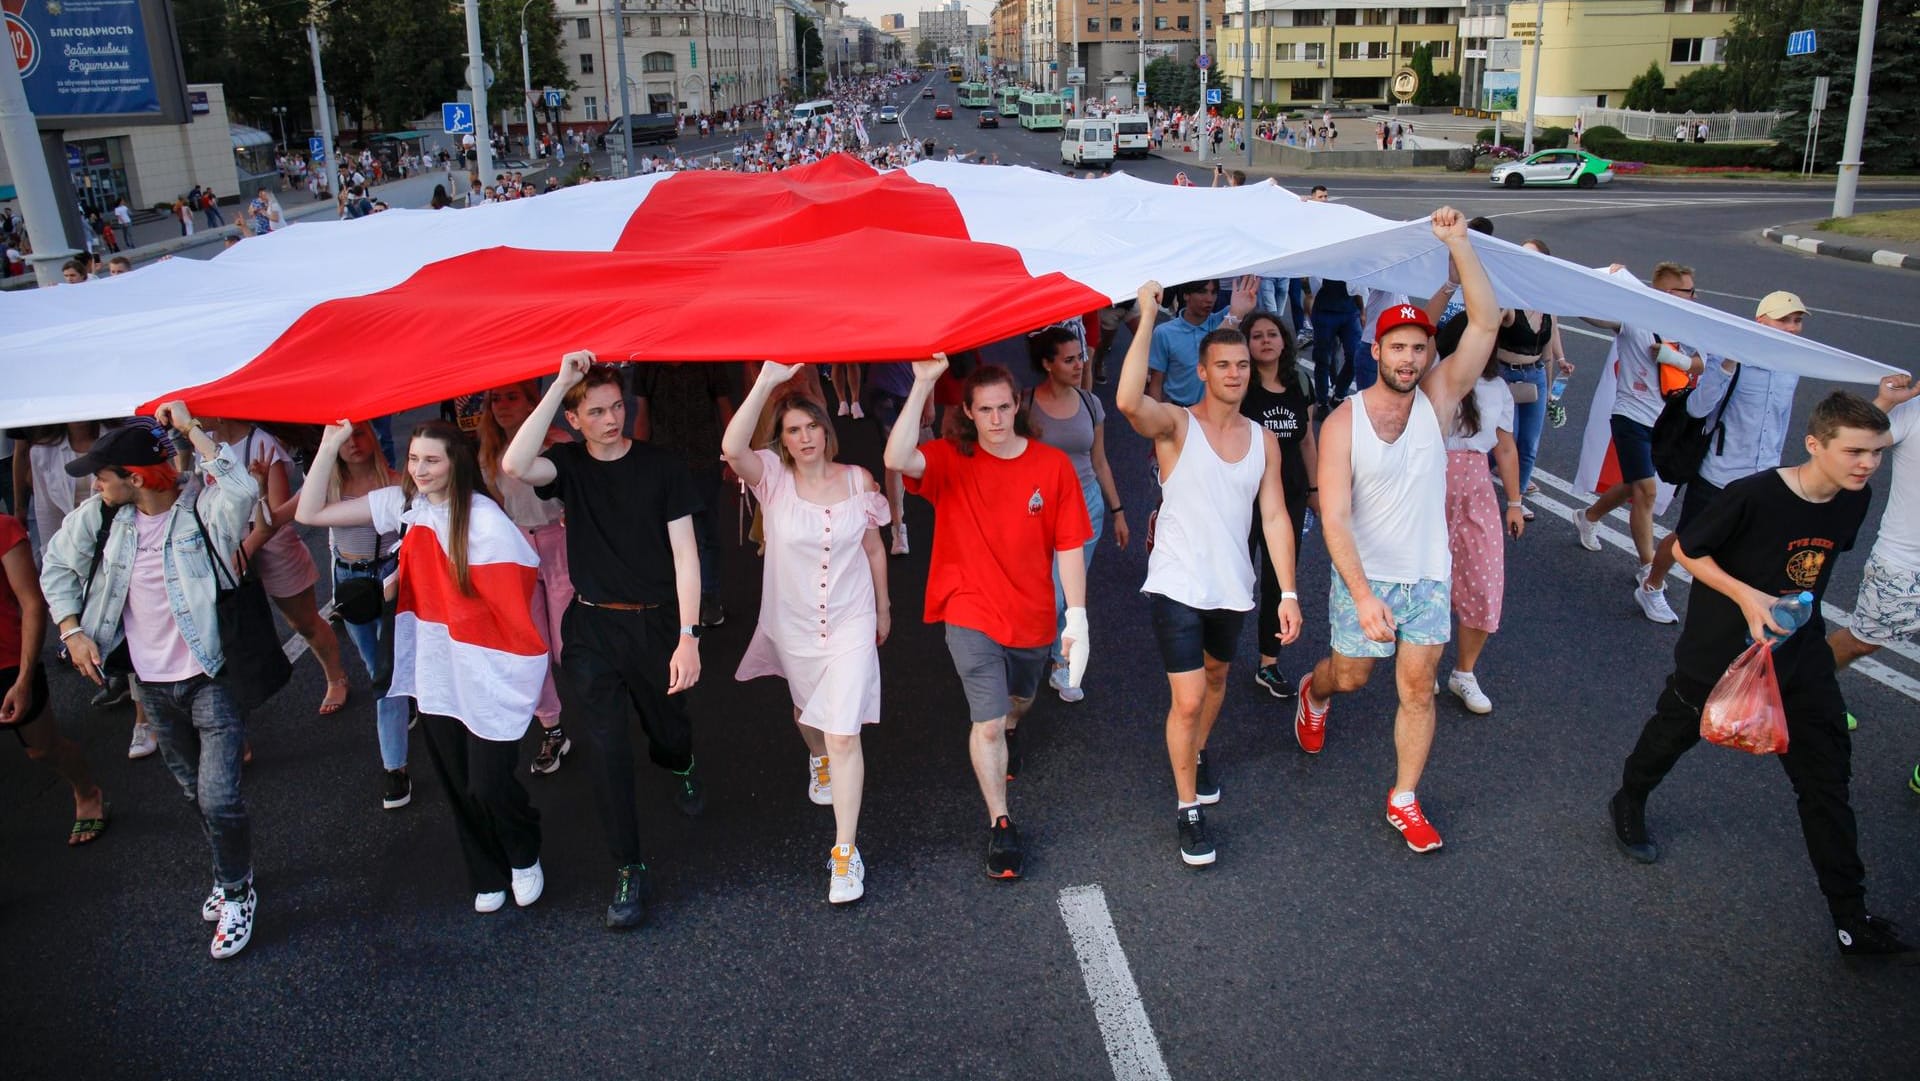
91 60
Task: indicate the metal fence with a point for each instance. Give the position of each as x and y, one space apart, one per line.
1721 127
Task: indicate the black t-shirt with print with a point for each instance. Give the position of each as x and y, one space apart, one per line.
1284 413
617 515
1763 534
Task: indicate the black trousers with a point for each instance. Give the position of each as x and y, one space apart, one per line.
1818 762
612 659
1267 601
499 829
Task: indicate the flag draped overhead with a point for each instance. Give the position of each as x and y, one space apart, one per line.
829 262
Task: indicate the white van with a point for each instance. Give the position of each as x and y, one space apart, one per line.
1132 135
1087 141
808 110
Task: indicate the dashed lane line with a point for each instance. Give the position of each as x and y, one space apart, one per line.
1132 1049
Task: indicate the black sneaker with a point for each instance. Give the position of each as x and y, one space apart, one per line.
1003 850
1014 759
116 691
1276 684
554 744
1205 789
688 793
1871 936
712 612
1196 847
629 898
399 791
1630 827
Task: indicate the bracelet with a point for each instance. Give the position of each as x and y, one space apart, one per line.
1514 504
1289 595
1312 488
64 635
1111 511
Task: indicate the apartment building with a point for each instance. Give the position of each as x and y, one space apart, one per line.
681 55
1305 53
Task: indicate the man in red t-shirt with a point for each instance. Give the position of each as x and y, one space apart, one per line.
1007 514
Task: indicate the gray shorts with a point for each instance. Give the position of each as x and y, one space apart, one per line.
992 674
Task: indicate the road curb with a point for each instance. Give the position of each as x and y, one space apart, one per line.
1812 246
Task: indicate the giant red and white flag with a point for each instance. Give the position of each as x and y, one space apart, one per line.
474 656
822 263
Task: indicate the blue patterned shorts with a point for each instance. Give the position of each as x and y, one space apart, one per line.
1422 616
1888 608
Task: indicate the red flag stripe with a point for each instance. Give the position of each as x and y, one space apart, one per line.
496 616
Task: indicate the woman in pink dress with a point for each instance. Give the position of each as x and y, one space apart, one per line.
823 597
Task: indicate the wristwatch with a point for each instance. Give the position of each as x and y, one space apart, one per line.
692 632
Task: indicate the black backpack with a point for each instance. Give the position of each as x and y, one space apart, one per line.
1681 440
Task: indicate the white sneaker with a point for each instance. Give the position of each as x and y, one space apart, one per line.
1653 602
489 902
899 540
528 882
843 410
143 743
820 780
1067 691
849 875
234 928
858 413
1466 688
1588 529
210 908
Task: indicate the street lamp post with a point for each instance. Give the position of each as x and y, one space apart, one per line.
326 165
626 108
477 83
526 74
280 117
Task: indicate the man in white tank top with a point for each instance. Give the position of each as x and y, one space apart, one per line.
1383 479
1200 577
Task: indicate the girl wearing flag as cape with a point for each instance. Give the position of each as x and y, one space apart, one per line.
464 644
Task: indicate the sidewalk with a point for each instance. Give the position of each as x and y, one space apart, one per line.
1802 236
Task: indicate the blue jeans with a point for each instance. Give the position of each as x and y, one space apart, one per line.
1366 370
1097 514
1528 419
1332 329
202 738
389 714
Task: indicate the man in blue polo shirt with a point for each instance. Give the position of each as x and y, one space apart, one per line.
1174 363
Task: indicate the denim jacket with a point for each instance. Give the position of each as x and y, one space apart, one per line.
226 508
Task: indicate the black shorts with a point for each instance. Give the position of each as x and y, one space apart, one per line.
1188 636
1698 495
36 702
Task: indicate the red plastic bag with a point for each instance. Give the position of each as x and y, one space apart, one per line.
1744 710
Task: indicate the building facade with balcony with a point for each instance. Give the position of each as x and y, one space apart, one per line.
682 56
1593 49
1114 40
1006 29
1304 53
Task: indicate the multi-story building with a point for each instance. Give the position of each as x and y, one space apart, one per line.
953 38
1593 49
681 55
1305 53
1113 40
1006 29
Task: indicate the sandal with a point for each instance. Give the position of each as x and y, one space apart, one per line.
330 704
88 830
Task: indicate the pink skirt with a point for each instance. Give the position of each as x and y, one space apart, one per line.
1476 535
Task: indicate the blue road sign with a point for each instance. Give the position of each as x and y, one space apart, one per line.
1140 89
1213 97
555 97
457 118
1205 61
316 149
1801 43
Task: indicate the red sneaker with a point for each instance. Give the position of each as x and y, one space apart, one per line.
1413 825
1309 724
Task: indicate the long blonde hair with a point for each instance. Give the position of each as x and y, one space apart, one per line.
384 473
494 438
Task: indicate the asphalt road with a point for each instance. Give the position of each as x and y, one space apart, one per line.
1318 946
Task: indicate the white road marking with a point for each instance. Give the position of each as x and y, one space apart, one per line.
1877 670
1132 1049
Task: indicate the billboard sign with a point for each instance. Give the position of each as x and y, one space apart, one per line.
1500 91
88 63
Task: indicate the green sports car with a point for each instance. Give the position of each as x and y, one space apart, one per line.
1574 168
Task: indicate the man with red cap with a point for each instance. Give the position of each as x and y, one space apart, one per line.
1383 471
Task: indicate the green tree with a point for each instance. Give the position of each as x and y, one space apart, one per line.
1755 53
257 50
925 51
420 60
812 49
1648 90
1893 107
351 32
1707 90
1171 83
546 56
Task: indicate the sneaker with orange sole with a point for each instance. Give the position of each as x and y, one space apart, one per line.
1309 724
1413 825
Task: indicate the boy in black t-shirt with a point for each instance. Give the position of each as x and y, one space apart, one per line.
632 634
1768 536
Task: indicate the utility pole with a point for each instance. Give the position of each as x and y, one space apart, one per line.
626 107
1856 114
1204 133
526 76
328 168
1138 101
477 82
1246 83
1533 84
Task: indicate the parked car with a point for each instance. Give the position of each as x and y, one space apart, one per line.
989 119
1565 168
943 112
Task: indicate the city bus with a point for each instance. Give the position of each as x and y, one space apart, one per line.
1009 100
954 73
1040 111
975 95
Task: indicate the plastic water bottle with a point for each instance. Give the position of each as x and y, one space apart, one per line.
1559 388
1791 614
